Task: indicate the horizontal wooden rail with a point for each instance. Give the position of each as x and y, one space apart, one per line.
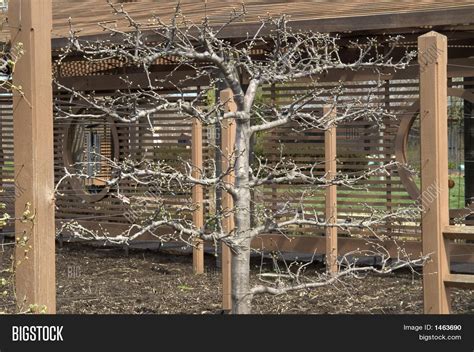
459 281
287 243
459 232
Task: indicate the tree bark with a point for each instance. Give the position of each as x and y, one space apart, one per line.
241 296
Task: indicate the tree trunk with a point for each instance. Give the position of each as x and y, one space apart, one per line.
241 298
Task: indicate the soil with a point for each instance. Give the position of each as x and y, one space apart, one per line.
106 280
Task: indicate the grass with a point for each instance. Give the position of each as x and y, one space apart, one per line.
456 194
8 166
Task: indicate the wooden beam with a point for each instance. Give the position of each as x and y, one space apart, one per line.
310 245
432 57
460 281
116 81
403 22
459 232
458 68
330 140
30 23
415 19
228 142
198 198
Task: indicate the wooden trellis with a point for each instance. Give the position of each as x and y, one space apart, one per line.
33 169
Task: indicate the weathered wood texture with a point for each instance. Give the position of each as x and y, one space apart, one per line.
30 23
434 172
328 15
320 15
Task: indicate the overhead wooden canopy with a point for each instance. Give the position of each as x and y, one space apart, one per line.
320 15
87 13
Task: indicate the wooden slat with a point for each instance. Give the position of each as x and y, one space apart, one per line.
459 232
228 131
460 281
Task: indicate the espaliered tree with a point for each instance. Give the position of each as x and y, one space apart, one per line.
274 54
9 56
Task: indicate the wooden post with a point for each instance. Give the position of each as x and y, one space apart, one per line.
469 147
274 188
31 23
228 142
331 194
198 199
387 156
432 56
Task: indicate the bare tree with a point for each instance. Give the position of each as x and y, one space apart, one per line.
275 54
9 56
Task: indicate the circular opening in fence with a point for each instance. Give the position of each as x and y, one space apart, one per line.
90 146
407 147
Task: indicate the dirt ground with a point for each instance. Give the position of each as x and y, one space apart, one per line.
105 280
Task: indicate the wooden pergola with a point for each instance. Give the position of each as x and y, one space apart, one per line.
443 27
